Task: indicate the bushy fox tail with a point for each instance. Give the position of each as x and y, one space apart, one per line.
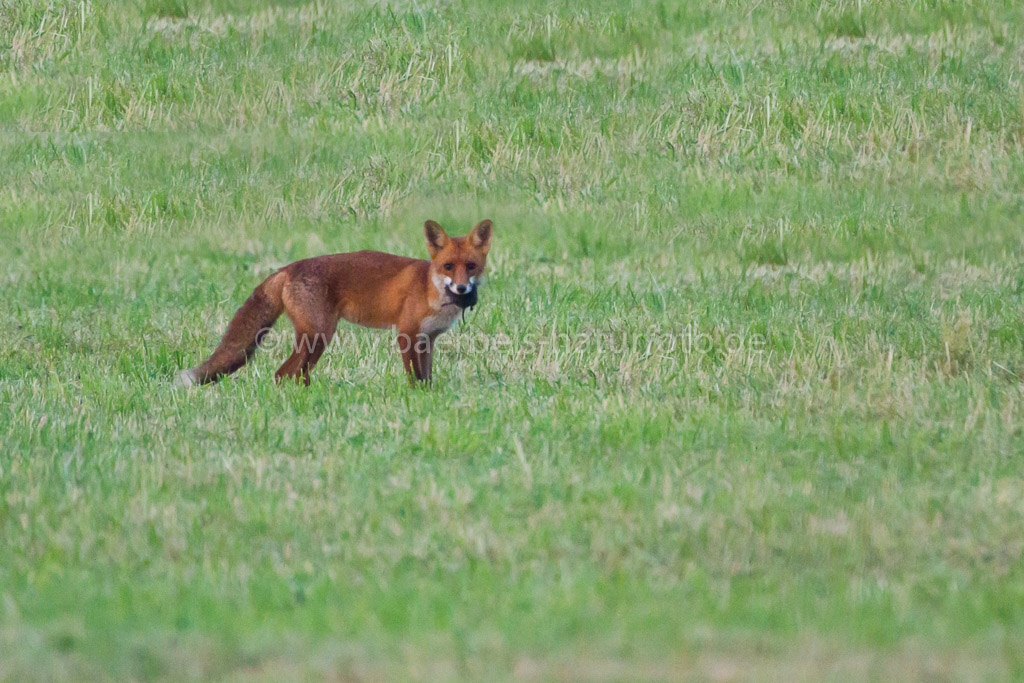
247 329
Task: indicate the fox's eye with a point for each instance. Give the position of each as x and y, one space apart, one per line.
449 266
471 267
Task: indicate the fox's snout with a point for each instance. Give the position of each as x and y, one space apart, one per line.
458 288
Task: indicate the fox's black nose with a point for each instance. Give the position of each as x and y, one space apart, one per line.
461 289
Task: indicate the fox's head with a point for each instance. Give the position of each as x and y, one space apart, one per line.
457 263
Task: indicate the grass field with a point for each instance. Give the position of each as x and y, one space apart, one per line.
743 397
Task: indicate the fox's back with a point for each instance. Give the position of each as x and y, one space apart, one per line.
364 287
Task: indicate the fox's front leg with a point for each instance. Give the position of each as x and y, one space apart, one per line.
426 357
417 351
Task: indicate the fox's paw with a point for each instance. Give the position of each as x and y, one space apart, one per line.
185 378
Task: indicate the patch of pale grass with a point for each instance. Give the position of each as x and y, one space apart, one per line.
302 18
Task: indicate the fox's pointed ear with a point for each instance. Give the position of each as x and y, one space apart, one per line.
437 238
481 235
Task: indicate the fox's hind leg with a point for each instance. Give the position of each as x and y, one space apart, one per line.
314 328
310 344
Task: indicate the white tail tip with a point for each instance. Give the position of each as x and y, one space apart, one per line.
185 378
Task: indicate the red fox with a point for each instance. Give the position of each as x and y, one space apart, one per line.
418 298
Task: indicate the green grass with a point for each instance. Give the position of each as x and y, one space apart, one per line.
825 197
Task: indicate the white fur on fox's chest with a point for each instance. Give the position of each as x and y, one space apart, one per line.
445 317
441 321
